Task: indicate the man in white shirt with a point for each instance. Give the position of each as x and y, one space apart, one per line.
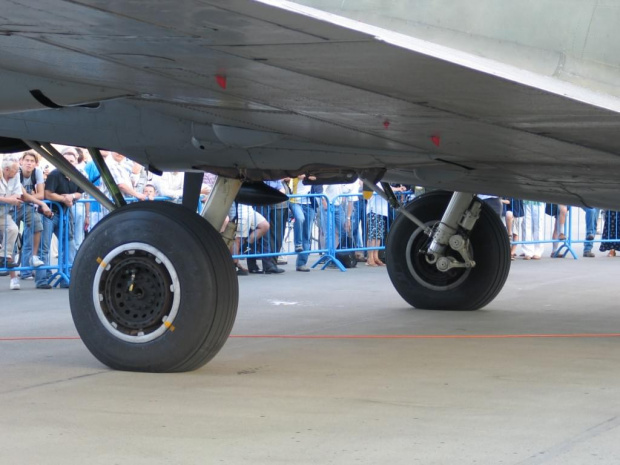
122 176
170 184
10 195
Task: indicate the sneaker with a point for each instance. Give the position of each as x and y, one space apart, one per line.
282 261
36 261
44 286
27 277
590 237
274 270
589 254
299 248
303 268
14 286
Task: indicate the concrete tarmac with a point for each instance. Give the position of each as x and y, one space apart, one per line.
363 378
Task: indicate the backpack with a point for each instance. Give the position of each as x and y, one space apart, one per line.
347 259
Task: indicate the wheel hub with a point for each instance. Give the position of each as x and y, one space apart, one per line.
136 291
426 272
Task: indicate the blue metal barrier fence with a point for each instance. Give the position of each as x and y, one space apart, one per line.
315 225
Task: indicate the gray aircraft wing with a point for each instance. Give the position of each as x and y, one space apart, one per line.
265 89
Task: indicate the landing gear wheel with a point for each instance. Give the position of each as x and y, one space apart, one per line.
422 285
153 288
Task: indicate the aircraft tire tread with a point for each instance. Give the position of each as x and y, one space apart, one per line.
459 289
207 281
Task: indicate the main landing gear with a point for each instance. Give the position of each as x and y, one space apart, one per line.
153 288
448 264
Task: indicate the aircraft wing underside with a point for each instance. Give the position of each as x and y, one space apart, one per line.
267 89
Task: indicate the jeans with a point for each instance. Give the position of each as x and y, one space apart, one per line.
272 243
41 276
355 225
26 253
591 216
306 231
79 212
298 214
66 251
32 224
340 215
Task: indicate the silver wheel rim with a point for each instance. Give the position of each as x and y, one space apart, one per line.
412 269
114 266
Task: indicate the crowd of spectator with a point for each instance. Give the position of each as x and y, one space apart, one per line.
28 182
525 222
319 214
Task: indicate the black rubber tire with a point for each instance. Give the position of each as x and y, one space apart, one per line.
207 300
457 289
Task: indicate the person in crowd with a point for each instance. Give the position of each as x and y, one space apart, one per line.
251 228
93 175
63 192
138 176
303 212
33 194
80 211
149 191
317 236
558 212
121 172
46 168
170 184
399 191
610 240
591 220
514 222
208 181
377 209
298 188
352 217
120 169
83 157
229 231
276 216
531 230
333 196
10 195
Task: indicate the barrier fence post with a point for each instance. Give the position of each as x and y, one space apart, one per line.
63 242
330 239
